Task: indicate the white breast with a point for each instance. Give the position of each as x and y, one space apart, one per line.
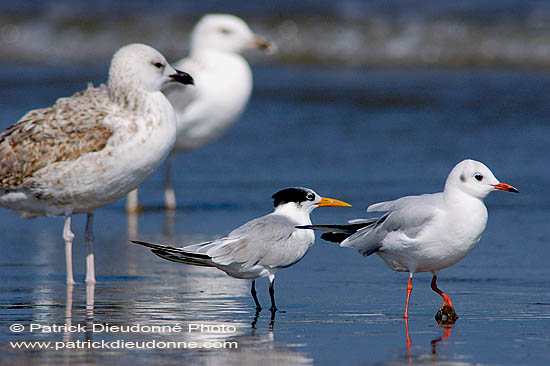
139 144
223 84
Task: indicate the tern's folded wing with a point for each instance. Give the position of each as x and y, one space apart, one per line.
269 241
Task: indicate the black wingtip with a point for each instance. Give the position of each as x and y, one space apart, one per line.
335 237
140 242
152 246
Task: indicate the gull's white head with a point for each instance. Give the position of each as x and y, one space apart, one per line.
303 199
475 179
138 66
228 33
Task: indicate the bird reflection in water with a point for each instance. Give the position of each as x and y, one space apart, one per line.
258 348
68 312
447 329
271 321
90 302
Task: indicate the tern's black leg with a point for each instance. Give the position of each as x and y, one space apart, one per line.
255 320
272 294
253 292
272 320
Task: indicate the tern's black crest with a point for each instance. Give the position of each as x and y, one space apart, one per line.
296 194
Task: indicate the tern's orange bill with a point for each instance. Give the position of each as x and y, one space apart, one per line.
331 202
505 187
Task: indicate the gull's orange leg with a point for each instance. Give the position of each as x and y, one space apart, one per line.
409 342
409 290
446 298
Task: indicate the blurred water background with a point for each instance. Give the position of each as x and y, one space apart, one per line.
365 101
350 32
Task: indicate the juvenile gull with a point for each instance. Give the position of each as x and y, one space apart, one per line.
260 247
92 148
223 85
427 232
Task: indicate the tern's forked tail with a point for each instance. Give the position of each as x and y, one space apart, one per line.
177 254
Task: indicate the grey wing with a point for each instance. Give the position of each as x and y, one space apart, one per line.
431 199
366 240
268 241
408 216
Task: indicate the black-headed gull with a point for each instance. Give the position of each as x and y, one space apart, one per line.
92 148
260 247
425 233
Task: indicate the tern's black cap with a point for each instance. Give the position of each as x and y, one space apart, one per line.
294 194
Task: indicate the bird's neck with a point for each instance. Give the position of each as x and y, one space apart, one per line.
134 100
466 211
457 198
294 212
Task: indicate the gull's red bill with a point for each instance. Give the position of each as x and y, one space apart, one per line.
505 187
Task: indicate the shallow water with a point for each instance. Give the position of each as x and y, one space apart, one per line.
361 136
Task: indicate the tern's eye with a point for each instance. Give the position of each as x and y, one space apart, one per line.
310 196
478 177
158 65
225 31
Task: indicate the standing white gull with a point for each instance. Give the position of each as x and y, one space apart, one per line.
260 247
223 84
427 232
91 149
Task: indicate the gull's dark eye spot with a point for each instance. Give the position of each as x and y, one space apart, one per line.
158 65
478 177
310 196
225 31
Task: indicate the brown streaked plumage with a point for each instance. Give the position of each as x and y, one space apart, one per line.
41 137
90 149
